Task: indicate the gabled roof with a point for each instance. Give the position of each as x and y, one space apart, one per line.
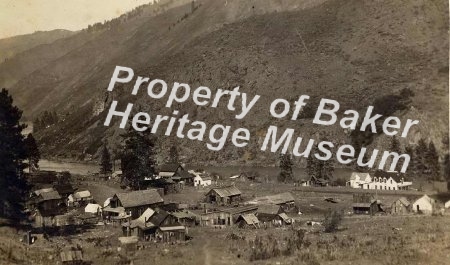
139 198
92 208
404 201
276 199
424 197
240 209
158 218
51 195
171 167
82 194
226 191
249 218
268 209
284 217
361 175
38 192
143 221
184 175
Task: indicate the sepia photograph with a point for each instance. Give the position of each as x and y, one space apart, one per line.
224 132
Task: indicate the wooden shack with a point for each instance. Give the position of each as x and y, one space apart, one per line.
224 196
136 202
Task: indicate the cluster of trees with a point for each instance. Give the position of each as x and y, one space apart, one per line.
286 173
424 159
137 158
386 106
319 168
15 149
44 120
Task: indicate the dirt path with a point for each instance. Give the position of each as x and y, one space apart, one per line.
206 252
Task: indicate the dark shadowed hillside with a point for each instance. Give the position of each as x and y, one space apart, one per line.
350 51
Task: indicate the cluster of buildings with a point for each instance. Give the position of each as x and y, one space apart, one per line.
369 204
144 215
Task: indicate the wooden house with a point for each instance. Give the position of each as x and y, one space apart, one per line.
365 204
141 227
169 170
80 198
285 200
396 206
423 205
224 217
202 180
136 202
315 182
171 234
185 217
224 196
47 201
175 172
247 221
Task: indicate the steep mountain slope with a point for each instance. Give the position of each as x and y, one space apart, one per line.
135 42
17 44
350 51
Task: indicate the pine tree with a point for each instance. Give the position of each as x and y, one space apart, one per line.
13 186
412 168
395 147
421 153
173 154
33 153
320 168
311 166
432 162
446 161
138 159
105 161
286 173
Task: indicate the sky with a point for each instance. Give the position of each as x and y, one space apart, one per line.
19 17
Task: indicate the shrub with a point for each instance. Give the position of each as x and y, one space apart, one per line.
332 221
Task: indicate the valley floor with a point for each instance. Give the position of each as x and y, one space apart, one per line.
360 239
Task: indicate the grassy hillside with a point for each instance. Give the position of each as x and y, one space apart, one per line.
14 45
350 51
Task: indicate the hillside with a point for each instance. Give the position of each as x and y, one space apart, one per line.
17 44
350 51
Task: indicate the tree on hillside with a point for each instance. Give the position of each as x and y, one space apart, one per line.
421 152
412 168
286 174
319 168
173 155
446 161
33 154
105 161
138 158
432 162
13 186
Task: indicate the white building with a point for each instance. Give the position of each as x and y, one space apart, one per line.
359 180
202 181
423 205
365 181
